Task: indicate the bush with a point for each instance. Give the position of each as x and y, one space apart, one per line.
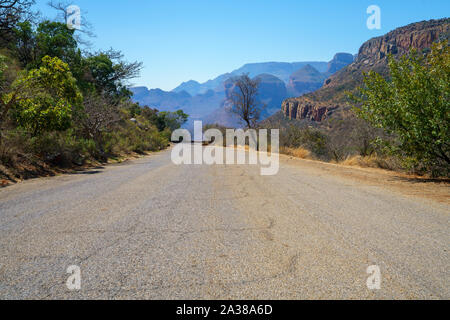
307 138
415 106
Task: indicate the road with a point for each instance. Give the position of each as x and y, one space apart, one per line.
147 229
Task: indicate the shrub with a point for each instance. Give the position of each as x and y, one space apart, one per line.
415 106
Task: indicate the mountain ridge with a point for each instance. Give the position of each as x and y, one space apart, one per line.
325 102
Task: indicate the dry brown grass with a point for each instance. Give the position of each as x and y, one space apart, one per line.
370 162
296 152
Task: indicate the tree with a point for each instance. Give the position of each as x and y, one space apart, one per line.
54 39
243 100
25 43
11 12
414 105
85 27
99 113
171 120
108 72
44 99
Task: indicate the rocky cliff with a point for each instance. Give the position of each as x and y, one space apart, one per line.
323 103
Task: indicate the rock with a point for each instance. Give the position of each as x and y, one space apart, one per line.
305 108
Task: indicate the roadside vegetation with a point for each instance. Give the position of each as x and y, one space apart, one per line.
414 107
400 122
63 106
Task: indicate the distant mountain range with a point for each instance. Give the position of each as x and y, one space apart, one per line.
278 81
281 70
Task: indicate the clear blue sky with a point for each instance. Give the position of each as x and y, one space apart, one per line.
179 40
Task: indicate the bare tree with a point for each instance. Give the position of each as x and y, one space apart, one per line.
62 16
11 12
100 113
243 100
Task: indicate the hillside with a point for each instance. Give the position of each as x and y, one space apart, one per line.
330 101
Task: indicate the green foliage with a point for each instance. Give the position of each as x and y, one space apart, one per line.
25 44
54 39
63 107
45 97
62 148
108 72
3 67
415 106
308 138
2 64
171 120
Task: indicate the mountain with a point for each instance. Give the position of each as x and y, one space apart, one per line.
330 101
208 101
272 91
281 70
340 60
159 99
192 87
305 80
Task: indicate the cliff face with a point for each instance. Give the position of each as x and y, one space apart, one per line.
321 104
306 108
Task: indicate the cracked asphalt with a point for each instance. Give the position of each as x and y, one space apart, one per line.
148 229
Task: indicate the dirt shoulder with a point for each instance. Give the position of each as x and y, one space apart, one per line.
409 185
32 169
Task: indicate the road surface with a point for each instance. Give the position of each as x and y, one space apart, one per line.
148 229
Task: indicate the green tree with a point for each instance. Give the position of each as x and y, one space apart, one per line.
54 39
171 120
108 73
50 38
45 98
25 43
414 105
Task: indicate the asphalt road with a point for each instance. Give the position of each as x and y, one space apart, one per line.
148 229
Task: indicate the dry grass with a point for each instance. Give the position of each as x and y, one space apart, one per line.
370 162
296 152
